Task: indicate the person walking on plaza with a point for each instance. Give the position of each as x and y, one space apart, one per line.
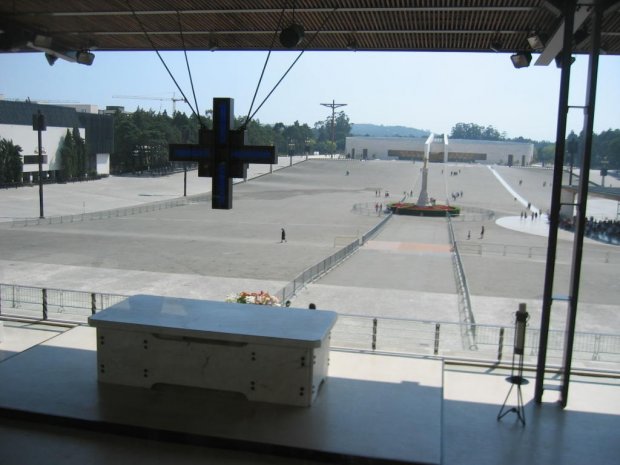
482 232
283 236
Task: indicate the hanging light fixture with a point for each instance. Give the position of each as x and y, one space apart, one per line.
536 41
292 35
521 59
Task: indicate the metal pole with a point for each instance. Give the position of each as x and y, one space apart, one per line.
588 127
40 123
554 219
185 181
44 298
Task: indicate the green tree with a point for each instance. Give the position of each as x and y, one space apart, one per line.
475 132
11 166
606 150
544 152
323 133
80 154
68 158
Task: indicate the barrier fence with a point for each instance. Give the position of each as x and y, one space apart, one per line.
136 209
494 343
465 310
316 271
113 213
536 253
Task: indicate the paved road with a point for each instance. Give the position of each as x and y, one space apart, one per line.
194 251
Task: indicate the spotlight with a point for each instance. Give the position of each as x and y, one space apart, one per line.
536 42
521 59
352 45
558 60
213 45
291 36
84 57
51 59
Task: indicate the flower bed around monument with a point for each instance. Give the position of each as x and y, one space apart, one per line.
256 298
404 208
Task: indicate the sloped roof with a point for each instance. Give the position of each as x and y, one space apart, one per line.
405 25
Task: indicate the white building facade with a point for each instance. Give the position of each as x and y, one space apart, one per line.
441 149
16 125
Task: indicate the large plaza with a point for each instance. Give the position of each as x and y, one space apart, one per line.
404 273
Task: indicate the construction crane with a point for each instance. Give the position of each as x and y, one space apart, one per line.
174 99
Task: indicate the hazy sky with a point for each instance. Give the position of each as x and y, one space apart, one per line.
431 91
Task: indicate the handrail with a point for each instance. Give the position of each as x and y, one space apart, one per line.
314 272
351 332
462 289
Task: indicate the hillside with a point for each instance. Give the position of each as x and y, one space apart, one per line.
375 130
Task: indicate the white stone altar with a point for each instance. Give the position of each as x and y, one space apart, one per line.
269 354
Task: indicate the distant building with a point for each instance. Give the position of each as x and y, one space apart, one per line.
97 130
442 149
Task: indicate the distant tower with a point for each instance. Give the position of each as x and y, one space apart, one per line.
423 199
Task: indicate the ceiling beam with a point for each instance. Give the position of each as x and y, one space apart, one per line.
556 42
252 32
489 9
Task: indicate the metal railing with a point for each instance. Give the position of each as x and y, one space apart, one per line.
474 214
53 304
314 272
373 232
494 343
536 253
368 209
465 309
132 210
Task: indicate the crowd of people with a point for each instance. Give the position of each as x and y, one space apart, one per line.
600 230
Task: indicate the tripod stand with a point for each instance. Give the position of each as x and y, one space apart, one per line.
517 379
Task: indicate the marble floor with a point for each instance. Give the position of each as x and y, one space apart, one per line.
374 409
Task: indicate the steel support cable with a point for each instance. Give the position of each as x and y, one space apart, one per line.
160 57
189 71
323 24
260 79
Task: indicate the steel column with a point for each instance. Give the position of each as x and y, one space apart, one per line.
554 220
584 180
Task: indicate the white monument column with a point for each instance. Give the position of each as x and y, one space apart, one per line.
423 199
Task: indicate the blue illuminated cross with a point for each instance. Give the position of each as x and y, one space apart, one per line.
221 153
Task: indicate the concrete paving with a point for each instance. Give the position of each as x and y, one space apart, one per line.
111 192
405 271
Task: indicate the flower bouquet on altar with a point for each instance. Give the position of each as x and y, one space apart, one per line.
257 298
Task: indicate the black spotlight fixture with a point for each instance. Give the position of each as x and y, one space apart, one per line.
51 59
536 41
496 46
292 35
559 61
521 59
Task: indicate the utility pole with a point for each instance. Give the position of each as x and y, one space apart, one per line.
333 106
38 124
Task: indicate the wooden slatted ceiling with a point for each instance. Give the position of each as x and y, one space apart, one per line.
439 25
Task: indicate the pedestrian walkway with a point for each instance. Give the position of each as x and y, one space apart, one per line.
419 284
